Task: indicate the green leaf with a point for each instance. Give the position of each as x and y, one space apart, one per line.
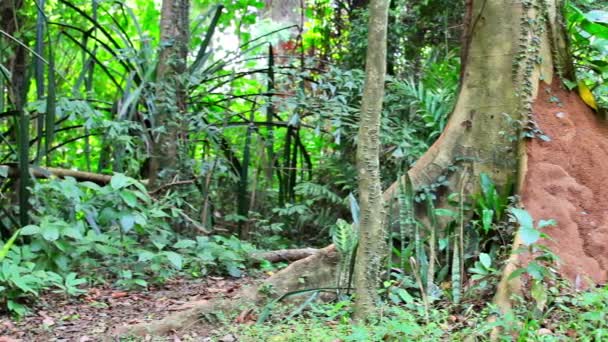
127 221
518 272
72 279
535 270
140 219
24 283
3 171
119 181
138 185
72 232
486 219
522 217
183 244
595 29
30 230
50 232
405 296
175 259
144 256
108 215
129 198
487 186
234 270
478 276
597 16
539 293
62 261
90 185
529 235
485 260
140 282
142 196
7 246
595 316
19 309
569 84
445 212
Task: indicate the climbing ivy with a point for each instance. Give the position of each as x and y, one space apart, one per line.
533 25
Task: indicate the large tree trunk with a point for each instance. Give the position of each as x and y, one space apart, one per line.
372 234
512 48
494 74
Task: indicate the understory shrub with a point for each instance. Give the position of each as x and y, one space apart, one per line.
115 232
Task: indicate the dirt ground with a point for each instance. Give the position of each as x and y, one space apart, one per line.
566 180
93 316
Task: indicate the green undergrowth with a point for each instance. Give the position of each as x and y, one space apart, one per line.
570 316
84 234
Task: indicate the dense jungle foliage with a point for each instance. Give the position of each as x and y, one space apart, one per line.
264 159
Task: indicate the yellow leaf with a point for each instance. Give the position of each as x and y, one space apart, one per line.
586 94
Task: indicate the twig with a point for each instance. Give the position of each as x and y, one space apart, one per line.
194 223
189 181
425 298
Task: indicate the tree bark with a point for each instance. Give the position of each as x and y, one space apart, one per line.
372 245
11 22
170 89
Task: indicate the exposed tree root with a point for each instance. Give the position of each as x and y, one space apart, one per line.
315 271
284 255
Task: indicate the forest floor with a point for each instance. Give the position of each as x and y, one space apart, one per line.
94 316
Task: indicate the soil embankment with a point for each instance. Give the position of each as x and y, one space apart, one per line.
567 180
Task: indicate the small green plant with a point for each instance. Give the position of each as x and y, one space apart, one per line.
69 285
490 204
482 270
345 239
217 254
538 269
20 283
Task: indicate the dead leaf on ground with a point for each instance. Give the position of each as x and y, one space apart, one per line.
245 316
228 338
7 339
189 305
119 294
48 321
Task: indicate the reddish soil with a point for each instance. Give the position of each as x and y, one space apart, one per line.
566 180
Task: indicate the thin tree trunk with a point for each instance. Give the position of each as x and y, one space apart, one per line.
11 22
372 235
171 90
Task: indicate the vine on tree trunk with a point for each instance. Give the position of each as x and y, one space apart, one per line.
534 23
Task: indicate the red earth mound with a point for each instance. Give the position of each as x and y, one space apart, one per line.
565 181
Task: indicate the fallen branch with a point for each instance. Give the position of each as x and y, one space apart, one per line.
12 171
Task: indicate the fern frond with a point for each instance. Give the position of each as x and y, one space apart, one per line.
317 192
344 238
